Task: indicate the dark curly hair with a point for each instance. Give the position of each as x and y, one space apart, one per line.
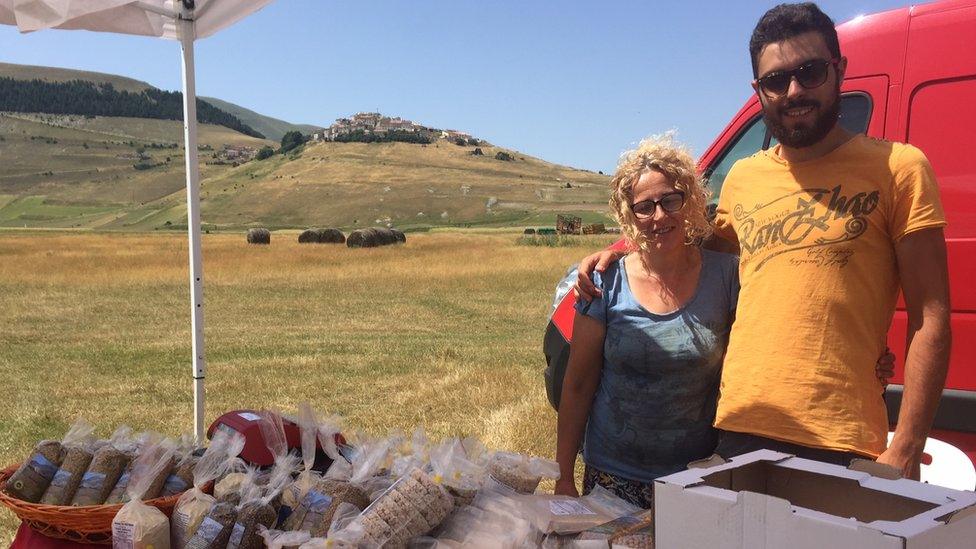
786 21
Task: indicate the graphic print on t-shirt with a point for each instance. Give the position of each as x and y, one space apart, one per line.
812 223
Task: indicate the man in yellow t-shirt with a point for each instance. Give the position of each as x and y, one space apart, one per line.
829 226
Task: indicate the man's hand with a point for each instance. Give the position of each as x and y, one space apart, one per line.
585 289
885 368
905 461
566 487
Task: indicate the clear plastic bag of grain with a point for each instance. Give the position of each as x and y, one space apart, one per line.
181 477
140 441
215 529
520 473
137 525
293 494
194 504
462 475
257 508
413 506
33 477
120 493
107 465
77 457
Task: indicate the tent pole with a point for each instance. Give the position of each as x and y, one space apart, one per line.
187 35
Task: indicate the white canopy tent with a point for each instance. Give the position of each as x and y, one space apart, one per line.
182 20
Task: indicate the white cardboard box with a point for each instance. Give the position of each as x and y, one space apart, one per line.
768 499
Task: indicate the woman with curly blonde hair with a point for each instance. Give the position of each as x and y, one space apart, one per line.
646 355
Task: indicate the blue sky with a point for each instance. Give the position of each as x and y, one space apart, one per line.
572 82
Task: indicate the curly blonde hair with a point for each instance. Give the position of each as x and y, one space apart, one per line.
662 154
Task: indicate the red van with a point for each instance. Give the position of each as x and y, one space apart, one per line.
911 77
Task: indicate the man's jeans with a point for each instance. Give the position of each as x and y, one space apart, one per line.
731 444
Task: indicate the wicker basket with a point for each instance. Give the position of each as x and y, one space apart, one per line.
87 524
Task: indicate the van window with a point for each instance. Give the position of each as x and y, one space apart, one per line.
855 113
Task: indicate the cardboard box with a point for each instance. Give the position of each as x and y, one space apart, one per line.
768 499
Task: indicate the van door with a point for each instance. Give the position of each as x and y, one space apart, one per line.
938 117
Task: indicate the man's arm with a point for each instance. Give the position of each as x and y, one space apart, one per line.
921 257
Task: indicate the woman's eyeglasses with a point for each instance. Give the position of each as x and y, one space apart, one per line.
810 75
670 203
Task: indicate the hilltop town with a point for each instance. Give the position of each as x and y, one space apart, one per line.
376 124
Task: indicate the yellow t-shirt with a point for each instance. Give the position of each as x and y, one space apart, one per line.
819 283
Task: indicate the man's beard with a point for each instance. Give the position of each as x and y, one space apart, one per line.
802 136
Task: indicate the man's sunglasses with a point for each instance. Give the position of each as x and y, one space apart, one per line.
670 203
809 75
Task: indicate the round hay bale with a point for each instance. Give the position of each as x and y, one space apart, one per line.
331 236
309 236
371 238
361 238
258 236
400 237
530 230
385 236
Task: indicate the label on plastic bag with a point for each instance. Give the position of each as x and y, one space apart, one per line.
42 467
93 481
568 507
174 485
209 529
61 478
38 472
236 536
123 534
317 502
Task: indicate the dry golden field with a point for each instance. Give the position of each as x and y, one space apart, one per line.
443 332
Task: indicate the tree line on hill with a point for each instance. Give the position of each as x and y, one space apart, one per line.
88 98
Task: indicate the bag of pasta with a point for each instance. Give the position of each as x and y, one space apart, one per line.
77 457
137 525
194 504
32 479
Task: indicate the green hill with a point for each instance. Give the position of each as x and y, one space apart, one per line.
271 128
55 74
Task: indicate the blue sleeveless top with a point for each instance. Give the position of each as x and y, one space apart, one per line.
653 410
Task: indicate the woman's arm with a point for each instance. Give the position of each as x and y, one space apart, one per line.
579 386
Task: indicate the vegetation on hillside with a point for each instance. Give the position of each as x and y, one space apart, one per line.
90 99
400 136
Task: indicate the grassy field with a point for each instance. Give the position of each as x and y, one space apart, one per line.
444 332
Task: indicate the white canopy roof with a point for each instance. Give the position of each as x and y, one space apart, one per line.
141 17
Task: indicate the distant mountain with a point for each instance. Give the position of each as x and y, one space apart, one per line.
271 128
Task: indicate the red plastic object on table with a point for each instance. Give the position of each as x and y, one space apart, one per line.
247 423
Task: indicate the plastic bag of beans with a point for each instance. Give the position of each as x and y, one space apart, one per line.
215 529
293 494
107 465
181 477
257 508
32 479
137 525
139 442
194 504
74 464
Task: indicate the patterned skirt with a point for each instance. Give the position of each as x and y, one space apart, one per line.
632 491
